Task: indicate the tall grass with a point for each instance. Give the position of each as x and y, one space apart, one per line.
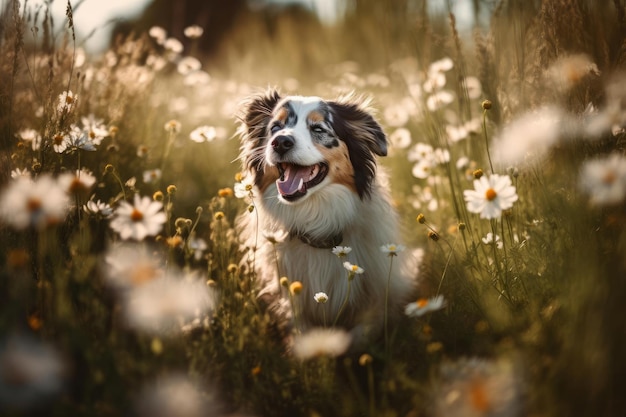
102 316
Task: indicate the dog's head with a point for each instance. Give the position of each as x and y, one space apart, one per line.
304 143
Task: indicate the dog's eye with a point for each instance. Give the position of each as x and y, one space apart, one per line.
317 129
275 128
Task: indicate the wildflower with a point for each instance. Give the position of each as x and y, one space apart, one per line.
489 240
175 395
567 71
31 372
491 196
172 126
98 209
187 65
158 196
604 179
425 305
396 115
439 99
320 297
193 31
420 152
203 134
151 175
142 151
392 249
486 104
79 183
197 77
129 265
320 342
171 189
38 203
32 136
225 192
529 136
60 142
365 359
140 219
160 305
219 215
67 102
341 251
473 87
434 236
421 219
244 189
173 46
353 269
158 33
284 282
400 138
477 387
94 129
295 288
19 173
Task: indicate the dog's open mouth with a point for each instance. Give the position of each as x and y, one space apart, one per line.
295 180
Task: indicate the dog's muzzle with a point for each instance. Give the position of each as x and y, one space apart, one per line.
295 179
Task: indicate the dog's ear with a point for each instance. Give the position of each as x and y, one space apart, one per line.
363 136
353 121
255 114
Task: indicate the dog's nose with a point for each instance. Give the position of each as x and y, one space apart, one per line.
281 144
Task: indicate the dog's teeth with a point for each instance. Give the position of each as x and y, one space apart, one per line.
301 185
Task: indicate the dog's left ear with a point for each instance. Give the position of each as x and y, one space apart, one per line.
353 122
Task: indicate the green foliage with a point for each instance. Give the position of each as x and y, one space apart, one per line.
532 321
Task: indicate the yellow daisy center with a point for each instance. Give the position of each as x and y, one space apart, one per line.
34 204
136 215
422 302
491 194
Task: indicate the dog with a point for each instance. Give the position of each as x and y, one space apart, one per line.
317 185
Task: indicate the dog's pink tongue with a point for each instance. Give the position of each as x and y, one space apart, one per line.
293 180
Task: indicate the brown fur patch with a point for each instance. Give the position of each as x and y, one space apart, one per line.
282 114
315 117
340 169
270 175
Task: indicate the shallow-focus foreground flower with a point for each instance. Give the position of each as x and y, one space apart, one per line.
30 372
392 249
174 395
163 305
604 179
321 342
138 220
491 196
38 203
129 265
425 305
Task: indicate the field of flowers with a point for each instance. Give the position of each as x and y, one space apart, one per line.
125 289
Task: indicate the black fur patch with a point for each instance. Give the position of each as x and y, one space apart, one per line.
364 138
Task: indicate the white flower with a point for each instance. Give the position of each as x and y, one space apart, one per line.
172 126
38 203
94 129
78 183
420 152
193 31
18 172
604 179
441 65
320 297
570 70
67 102
203 134
32 136
151 175
188 64
489 240
98 209
163 305
491 196
352 268
30 373
138 220
439 99
130 265
529 136
396 115
173 45
175 395
198 77
244 188
400 138
392 249
422 169
473 87
341 251
158 33
321 342
425 305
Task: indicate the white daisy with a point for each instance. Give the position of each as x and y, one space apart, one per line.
188 64
67 102
98 209
321 342
203 134
341 251
400 138
244 188
491 196
320 297
193 31
140 219
352 268
489 240
175 395
78 183
439 99
604 179
151 175
38 203
158 34
94 129
425 305
129 265
392 249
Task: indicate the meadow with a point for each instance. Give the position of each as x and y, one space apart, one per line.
124 286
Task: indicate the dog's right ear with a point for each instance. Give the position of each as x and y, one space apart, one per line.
257 112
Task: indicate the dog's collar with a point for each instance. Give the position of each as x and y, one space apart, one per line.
319 243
